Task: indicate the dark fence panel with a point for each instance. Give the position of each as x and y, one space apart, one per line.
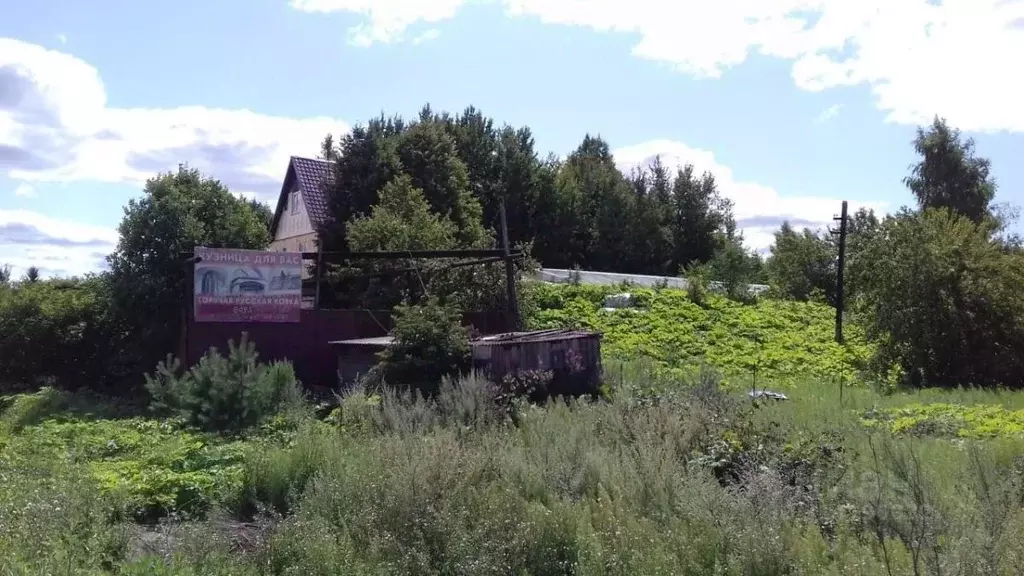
305 343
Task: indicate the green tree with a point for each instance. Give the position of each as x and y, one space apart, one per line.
60 330
949 175
802 265
401 220
944 301
5 274
429 157
32 274
364 160
177 212
735 266
701 215
596 206
430 343
262 211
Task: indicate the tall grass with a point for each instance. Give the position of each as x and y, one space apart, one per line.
698 481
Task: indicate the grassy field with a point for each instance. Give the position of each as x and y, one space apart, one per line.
677 473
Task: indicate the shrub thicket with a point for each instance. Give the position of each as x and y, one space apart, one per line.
58 332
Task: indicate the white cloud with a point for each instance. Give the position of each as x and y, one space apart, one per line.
25 191
427 36
387 20
62 38
58 247
58 127
956 58
759 209
829 113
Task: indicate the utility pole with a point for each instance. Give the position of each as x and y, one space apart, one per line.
510 270
840 282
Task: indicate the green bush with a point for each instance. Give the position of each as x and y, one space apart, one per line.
225 394
58 332
429 344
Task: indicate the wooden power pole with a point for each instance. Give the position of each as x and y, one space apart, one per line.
840 281
510 270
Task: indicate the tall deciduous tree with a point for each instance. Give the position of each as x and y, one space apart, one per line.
943 300
177 212
949 175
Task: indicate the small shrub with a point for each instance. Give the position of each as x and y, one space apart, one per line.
429 344
225 394
697 284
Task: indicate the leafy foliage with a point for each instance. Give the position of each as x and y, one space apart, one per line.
949 176
944 302
945 419
61 332
779 339
225 393
429 344
143 468
582 211
178 211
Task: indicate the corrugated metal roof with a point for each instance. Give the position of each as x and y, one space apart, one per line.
378 341
534 336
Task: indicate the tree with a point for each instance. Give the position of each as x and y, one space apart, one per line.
401 220
654 219
262 211
943 300
364 160
177 212
32 275
701 215
430 343
429 157
802 265
595 201
734 266
5 274
949 175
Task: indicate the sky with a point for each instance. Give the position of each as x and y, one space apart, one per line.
793 105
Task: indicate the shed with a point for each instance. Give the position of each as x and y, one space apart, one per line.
573 356
356 357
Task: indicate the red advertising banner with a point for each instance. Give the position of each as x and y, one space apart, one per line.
247 285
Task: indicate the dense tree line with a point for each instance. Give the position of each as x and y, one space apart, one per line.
577 212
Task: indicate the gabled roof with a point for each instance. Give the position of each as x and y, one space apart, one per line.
309 174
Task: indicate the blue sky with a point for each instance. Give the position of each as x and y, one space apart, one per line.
793 104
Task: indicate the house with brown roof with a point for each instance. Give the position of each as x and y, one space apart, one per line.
301 206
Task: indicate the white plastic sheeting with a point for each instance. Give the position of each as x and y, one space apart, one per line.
562 276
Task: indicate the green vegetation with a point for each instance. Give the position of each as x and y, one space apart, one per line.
695 482
943 419
786 342
897 452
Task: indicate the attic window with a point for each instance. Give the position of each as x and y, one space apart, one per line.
294 200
